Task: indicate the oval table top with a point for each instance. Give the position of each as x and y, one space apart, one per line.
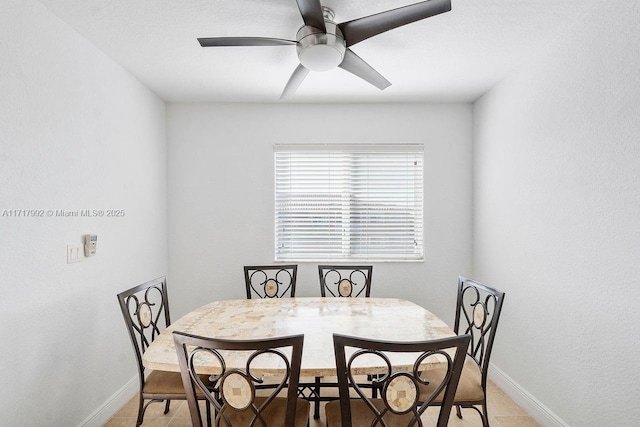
317 318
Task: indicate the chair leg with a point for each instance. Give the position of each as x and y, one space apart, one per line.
208 406
143 408
484 414
140 411
316 405
166 407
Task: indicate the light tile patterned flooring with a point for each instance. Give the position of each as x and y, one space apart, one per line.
503 412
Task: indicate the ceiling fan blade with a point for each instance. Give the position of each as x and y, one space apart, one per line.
356 65
362 28
294 81
243 41
311 12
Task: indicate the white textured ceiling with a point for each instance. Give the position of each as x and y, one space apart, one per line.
453 57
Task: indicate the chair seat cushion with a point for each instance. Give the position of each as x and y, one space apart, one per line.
469 388
274 414
164 382
362 416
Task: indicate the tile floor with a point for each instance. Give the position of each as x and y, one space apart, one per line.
503 412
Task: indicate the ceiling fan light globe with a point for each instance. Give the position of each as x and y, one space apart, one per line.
319 50
321 57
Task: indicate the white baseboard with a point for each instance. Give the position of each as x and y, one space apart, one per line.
108 409
526 400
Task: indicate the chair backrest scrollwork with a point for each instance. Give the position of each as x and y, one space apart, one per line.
345 280
145 309
400 385
270 281
234 389
477 313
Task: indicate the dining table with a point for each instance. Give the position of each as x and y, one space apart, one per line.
318 318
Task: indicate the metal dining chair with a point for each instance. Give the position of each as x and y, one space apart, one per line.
478 310
270 281
236 395
400 404
145 309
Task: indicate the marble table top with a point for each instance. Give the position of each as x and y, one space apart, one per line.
316 318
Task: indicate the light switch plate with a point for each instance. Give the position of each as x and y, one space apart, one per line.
75 253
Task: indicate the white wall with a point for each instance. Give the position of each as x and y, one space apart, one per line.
557 219
76 132
221 194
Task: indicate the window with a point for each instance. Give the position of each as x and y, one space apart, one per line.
348 202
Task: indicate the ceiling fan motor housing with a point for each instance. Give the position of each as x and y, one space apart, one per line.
320 51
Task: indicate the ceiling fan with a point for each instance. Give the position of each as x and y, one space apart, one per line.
323 45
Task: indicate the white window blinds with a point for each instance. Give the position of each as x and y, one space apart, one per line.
349 202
